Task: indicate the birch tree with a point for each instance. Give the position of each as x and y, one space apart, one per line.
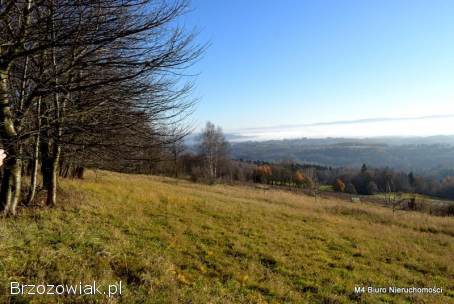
214 148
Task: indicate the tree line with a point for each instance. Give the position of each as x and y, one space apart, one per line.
88 84
365 181
209 161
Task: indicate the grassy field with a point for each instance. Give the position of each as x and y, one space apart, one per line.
172 241
417 196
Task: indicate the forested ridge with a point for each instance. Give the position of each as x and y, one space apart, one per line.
430 156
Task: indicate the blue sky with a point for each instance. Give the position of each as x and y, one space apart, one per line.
273 63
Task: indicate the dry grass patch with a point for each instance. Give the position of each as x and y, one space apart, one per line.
172 241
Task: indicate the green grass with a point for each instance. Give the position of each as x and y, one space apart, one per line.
406 196
171 241
327 188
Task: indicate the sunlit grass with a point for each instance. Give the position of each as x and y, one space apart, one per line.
171 241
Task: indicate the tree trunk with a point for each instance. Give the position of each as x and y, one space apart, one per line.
34 173
35 160
175 161
11 183
65 169
17 182
80 172
13 165
54 160
52 185
45 162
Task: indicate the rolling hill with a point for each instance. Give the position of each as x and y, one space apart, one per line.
424 155
172 241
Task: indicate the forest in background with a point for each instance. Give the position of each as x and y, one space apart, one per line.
211 158
429 156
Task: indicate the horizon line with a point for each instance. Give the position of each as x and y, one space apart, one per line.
343 122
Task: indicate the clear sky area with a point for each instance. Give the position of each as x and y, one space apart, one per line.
294 62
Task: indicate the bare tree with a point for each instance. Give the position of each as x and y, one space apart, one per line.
83 78
176 136
313 182
214 148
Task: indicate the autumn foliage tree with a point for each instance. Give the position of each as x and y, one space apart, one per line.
263 173
339 185
299 178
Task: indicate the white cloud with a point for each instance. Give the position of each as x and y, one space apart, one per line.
418 126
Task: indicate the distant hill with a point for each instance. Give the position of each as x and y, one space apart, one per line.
429 155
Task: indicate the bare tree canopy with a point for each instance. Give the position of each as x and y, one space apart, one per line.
213 147
97 83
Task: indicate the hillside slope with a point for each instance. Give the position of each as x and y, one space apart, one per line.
171 241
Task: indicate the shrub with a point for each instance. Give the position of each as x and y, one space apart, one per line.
339 185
